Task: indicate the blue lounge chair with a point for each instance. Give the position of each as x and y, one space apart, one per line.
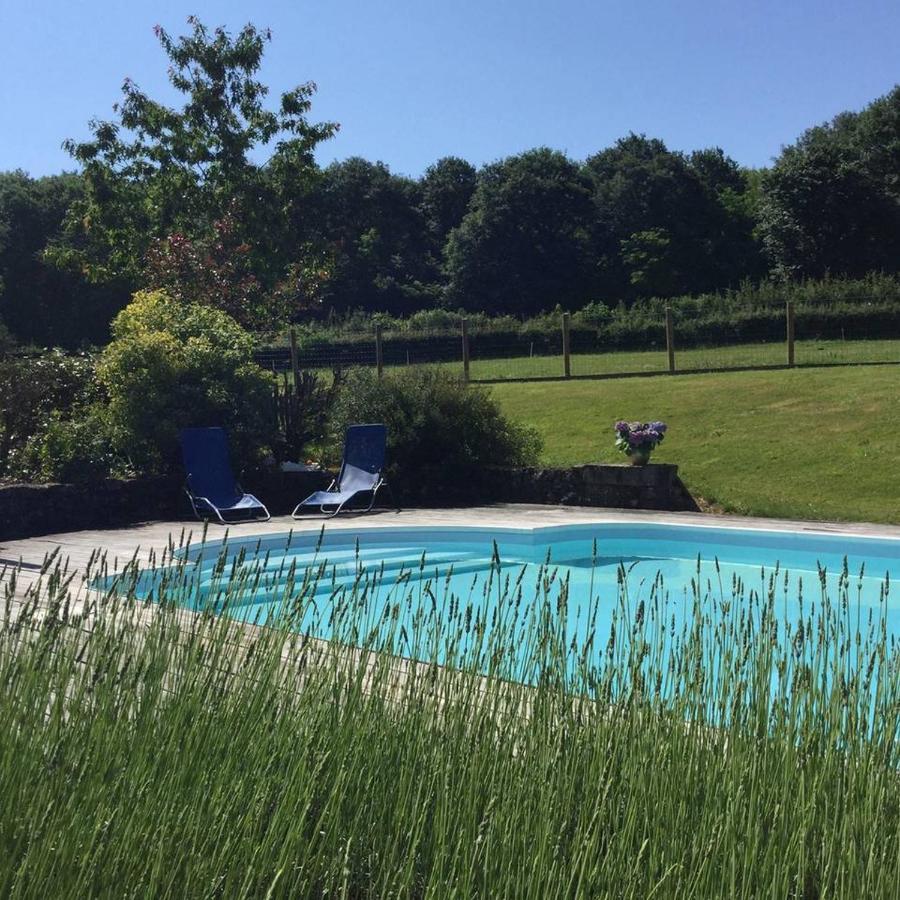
211 485
364 452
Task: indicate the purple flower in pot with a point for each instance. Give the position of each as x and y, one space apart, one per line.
637 440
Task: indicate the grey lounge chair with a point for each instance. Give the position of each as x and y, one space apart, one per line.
361 471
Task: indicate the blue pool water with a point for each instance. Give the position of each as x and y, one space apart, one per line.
399 574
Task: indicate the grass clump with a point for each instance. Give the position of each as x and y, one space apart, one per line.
149 751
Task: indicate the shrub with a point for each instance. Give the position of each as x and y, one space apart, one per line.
80 448
34 388
442 434
173 365
302 407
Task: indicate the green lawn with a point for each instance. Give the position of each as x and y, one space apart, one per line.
812 444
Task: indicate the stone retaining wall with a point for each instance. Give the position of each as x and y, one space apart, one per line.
27 510
654 486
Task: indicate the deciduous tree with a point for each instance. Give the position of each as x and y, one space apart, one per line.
156 171
523 244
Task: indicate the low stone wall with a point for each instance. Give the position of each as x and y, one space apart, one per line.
27 510
654 486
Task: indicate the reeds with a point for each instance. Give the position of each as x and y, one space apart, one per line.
441 745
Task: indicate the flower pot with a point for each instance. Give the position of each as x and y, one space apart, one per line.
640 457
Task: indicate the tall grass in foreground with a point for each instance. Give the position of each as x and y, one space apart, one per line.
147 751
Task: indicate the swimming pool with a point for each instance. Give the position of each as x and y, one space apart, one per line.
435 593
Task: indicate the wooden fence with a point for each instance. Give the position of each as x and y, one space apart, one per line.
485 355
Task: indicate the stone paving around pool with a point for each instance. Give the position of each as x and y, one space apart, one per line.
120 544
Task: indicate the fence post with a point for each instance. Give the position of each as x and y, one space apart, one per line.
670 340
465 349
379 352
567 365
295 357
790 332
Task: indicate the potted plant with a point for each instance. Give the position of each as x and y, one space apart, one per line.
637 440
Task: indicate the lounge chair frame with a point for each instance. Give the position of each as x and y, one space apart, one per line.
196 498
335 487
339 506
206 461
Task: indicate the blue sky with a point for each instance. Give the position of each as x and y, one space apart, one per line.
413 81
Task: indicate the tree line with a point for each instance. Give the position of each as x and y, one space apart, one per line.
176 198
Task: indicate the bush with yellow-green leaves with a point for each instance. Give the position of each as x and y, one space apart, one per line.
169 366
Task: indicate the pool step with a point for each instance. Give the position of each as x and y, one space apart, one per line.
388 580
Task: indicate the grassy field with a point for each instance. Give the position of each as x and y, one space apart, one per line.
812 444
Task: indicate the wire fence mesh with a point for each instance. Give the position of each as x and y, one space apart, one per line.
593 354
327 356
852 340
499 355
766 337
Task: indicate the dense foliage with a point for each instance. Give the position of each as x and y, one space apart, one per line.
173 197
523 242
831 202
441 433
39 302
36 391
173 365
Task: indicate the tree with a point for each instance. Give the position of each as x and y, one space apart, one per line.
661 221
649 259
876 133
522 247
735 253
446 189
717 172
372 220
38 303
831 202
157 171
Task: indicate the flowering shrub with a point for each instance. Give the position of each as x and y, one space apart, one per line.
639 437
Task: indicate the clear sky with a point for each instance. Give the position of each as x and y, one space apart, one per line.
413 81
